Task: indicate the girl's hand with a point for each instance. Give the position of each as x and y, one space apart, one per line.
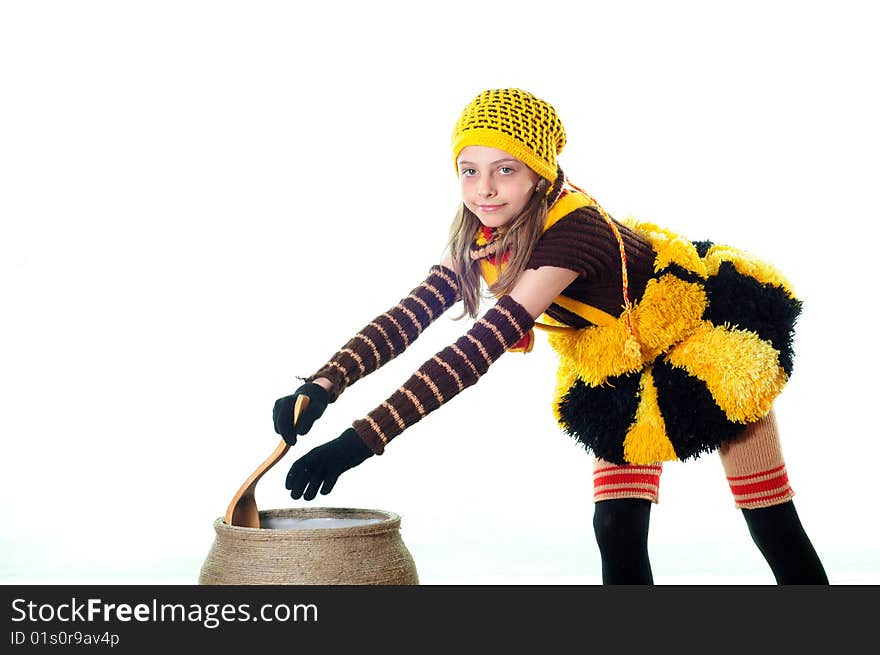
282 412
322 466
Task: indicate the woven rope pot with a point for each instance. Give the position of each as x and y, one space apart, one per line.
311 546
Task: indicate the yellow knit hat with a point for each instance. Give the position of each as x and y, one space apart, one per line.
516 122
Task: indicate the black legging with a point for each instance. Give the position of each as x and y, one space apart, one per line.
780 537
621 528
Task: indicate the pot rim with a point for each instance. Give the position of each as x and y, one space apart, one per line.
387 521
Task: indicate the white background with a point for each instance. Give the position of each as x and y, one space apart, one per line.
202 200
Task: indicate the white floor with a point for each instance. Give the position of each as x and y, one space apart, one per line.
708 564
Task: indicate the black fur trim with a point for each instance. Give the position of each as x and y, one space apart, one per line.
680 272
702 247
764 309
695 424
599 417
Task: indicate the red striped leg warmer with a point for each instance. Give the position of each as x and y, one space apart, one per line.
626 481
389 334
755 468
447 373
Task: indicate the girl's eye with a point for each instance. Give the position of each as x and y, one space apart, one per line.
467 172
506 170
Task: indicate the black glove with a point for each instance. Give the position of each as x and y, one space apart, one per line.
324 464
282 413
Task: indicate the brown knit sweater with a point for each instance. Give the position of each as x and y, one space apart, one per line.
583 242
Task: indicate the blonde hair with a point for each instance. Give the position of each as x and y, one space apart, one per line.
518 238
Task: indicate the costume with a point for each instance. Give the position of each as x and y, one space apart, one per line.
668 348
714 329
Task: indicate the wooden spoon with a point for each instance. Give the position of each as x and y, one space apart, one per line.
242 510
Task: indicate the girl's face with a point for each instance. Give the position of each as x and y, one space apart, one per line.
495 185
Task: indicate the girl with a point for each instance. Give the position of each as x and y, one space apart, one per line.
668 348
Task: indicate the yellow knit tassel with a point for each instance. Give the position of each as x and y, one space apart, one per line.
646 441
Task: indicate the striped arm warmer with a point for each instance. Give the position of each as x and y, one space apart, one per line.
447 373
389 334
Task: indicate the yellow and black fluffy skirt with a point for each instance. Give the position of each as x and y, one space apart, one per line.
715 329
